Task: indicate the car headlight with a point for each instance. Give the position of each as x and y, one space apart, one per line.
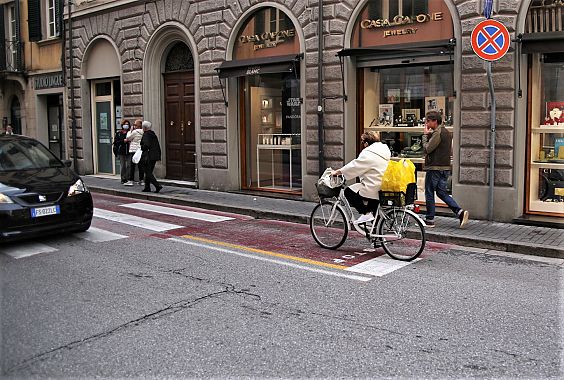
5 199
77 188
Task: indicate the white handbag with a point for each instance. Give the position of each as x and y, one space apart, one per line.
137 156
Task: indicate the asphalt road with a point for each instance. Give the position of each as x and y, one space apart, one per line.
239 297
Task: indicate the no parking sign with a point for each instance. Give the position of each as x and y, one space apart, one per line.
490 40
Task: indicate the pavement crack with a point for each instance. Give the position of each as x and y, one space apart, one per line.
161 313
355 321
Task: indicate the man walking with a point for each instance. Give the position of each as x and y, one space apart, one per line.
151 154
437 144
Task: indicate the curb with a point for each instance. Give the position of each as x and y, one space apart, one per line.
466 241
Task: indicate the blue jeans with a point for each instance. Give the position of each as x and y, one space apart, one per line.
435 182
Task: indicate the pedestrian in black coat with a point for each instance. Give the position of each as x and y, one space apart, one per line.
151 154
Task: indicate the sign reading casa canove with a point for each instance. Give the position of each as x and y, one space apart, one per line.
410 21
268 39
54 80
395 22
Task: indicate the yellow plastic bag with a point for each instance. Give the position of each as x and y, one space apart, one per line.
398 175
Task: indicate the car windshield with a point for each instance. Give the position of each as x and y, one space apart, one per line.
26 155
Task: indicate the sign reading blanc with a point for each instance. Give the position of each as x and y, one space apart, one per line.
54 80
490 40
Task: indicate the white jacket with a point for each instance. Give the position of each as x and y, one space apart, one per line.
134 138
370 166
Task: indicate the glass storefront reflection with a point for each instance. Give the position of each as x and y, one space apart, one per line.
273 132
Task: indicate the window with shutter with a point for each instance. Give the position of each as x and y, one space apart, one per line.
59 9
34 20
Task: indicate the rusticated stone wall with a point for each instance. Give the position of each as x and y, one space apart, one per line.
211 23
475 104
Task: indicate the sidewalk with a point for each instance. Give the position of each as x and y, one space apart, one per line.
530 240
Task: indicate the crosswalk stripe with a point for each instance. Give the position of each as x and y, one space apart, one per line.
379 266
148 224
19 250
177 212
97 235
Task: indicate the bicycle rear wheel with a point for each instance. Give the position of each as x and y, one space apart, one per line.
404 234
328 225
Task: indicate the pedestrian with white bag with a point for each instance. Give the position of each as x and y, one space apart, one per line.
134 138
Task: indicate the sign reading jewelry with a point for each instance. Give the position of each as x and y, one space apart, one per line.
400 20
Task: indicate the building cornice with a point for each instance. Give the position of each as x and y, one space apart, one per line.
88 7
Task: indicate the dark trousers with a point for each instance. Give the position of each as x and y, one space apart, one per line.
362 204
148 168
132 173
124 161
436 182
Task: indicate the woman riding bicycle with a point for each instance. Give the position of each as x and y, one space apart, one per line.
369 166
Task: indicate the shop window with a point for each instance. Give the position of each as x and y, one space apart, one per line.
396 101
272 132
546 166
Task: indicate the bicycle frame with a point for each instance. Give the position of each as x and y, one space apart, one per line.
381 211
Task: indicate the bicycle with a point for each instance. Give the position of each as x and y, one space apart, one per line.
399 230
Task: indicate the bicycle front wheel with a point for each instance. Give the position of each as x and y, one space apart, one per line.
328 225
403 234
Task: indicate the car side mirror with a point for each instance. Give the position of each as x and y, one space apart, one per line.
67 163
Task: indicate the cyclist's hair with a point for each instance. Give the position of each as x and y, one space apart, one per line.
434 115
370 137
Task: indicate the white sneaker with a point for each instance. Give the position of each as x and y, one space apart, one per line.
128 183
364 218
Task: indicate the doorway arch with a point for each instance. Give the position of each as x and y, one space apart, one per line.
179 113
159 45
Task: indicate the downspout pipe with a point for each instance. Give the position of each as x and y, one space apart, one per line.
71 86
320 139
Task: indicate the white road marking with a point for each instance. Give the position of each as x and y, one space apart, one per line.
19 250
379 266
280 262
96 235
136 221
177 212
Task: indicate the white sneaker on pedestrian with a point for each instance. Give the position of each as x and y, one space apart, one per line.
463 217
141 183
364 218
128 183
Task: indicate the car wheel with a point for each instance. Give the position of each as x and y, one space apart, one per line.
84 227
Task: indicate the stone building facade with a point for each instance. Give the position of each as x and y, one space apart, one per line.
139 38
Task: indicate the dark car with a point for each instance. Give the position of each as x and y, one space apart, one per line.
39 194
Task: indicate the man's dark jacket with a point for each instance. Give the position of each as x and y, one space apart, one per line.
150 147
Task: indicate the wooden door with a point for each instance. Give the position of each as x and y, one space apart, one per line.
179 126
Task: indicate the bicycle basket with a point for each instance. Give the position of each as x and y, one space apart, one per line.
325 191
392 198
399 198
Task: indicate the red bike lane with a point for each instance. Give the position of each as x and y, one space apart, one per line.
261 236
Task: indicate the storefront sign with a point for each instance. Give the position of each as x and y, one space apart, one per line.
268 39
48 81
401 21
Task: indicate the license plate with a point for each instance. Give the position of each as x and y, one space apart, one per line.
43 211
